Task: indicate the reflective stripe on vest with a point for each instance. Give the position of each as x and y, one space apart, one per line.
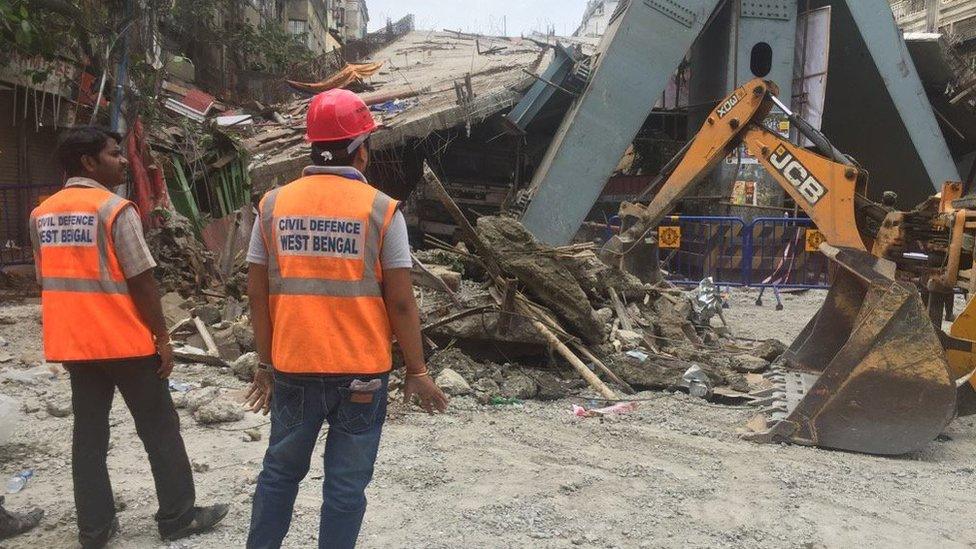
104 284
84 285
369 286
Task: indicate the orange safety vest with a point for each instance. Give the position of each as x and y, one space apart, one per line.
324 234
86 310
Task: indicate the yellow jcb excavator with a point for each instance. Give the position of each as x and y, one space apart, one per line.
873 371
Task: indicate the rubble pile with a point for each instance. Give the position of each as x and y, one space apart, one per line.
211 330
524 303
183 263
502 315
460 375
649 344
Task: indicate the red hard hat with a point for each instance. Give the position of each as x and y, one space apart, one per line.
336 115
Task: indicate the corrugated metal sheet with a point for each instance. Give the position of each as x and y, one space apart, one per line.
28 172
9 174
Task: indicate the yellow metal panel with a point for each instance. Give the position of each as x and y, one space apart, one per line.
814 239
669 237
964 327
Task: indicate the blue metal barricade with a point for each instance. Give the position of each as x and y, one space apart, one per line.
769 252
709 246
779 254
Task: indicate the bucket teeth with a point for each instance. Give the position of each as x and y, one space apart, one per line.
778 401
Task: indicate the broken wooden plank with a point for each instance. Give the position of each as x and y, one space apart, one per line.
267 136
603 367
436 279
174 88
618 305
651 345
208 339
180 325
202 359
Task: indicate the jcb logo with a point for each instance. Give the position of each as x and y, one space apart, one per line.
798 175
724 108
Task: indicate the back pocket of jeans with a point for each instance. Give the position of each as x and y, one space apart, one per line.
353 415
287 403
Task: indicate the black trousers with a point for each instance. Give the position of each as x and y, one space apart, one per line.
158 425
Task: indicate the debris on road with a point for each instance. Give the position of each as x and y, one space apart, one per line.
452 383
57 408
616 409
218 410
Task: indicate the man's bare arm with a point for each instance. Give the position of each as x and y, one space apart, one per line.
145 295
257 293
401 308
258 398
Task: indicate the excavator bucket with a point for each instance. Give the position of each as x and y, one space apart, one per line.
867 374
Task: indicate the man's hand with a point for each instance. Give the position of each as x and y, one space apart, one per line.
165 351
427 392
258 397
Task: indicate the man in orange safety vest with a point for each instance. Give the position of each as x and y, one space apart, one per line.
102 318
330 287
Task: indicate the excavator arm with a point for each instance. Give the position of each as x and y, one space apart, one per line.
868 373
823 188
828 188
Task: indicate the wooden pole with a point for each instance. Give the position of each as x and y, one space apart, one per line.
508 306
618 305
468 234
573 360
603 367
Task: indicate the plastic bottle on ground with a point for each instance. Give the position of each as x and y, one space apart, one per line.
18 481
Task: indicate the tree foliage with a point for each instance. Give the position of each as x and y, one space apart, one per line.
76 30
266 46
217 35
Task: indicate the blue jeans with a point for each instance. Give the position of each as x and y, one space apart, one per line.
299 405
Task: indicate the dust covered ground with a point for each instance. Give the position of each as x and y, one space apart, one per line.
671 474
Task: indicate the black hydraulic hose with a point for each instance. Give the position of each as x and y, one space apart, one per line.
819 140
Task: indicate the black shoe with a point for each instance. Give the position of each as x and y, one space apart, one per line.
14 524
204 520
102 540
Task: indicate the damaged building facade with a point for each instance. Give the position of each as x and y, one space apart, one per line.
442 97
32 114
491 115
